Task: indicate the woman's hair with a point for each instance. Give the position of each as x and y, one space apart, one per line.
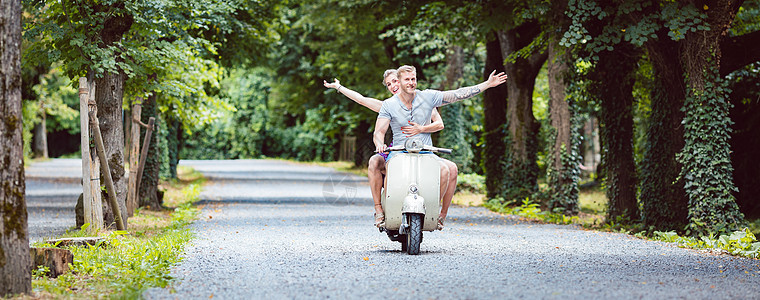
388 73
407 69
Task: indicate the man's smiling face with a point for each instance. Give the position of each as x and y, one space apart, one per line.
408 81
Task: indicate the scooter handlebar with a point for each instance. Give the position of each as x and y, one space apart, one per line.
443 150
425 148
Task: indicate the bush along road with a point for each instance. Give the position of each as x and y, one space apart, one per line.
274 229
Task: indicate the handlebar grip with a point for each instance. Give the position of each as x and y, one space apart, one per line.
445 151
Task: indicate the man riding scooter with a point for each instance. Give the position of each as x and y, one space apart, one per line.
412 105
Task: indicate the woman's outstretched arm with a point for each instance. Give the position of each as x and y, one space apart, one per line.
370 103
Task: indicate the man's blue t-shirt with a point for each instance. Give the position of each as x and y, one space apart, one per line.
422 109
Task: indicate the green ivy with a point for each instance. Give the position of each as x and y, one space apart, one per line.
520 178
740 243
529 210
706 159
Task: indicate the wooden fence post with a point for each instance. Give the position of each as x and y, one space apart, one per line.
93 208
144 152
134 146
105 170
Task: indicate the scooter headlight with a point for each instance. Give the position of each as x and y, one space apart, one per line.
413 145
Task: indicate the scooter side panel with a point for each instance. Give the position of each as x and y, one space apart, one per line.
400 174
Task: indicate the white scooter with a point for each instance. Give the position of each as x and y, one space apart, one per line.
411 197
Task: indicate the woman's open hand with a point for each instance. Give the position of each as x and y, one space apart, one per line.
333 85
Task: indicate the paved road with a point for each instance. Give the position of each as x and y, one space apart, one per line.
276 230
52 189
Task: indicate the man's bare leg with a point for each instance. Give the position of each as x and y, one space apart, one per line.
375 172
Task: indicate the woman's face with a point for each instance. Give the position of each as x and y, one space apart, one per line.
392 83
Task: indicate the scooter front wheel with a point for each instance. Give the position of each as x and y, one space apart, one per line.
414 237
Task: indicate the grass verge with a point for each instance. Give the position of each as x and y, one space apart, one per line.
128 262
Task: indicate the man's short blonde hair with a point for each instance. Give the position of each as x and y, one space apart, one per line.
406 69
389 72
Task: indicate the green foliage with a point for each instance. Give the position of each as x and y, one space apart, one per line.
636 22
706 159
60 102
471 183
520 175
530 210
40 272
454 136
740 243
167 47
747 19
57 100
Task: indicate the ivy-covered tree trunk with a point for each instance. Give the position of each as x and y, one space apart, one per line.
706 159
522 140
662 197
15 262
494 125
453 114
148 193
564 170
612 84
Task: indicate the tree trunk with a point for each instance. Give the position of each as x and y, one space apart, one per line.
706 160
108 96
663 199
148 194
15 262
494 120
612 84
453 114
174 143
40 148
564 171
522 139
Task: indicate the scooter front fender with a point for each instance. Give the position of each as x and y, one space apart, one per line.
413 203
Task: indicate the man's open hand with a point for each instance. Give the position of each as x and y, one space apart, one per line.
496 79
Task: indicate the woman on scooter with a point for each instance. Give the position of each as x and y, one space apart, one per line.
376 168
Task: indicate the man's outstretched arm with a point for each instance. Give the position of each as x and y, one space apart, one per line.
470 91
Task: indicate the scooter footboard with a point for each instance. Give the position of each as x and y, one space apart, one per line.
405 169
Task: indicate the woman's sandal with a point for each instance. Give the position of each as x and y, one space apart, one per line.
379 220
440 223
